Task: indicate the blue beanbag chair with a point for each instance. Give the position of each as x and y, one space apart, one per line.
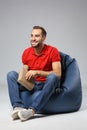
69 98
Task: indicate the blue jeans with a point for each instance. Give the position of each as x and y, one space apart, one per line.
38 98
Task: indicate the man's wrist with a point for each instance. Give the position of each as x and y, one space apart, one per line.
38 73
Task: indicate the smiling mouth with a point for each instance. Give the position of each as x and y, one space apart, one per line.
33 43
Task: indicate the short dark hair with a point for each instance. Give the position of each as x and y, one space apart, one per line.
44 33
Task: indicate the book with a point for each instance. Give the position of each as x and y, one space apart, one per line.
28 84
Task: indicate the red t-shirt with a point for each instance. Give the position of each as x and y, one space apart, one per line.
43 61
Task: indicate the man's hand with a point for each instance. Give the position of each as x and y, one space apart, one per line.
31 74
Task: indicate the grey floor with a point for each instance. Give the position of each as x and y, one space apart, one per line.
69 121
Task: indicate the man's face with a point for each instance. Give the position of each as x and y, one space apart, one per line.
36 38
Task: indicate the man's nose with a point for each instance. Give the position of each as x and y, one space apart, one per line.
33 38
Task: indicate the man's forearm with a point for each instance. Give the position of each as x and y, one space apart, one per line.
46 73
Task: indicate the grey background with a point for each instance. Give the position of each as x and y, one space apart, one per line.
64 20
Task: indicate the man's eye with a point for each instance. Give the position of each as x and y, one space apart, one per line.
36 35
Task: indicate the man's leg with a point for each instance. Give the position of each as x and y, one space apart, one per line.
49 88
14 93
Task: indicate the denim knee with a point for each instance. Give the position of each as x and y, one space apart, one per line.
53 77
11 74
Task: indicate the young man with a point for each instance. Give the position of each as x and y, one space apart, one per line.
44 65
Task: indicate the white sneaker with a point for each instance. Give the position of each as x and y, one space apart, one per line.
25 114
15 112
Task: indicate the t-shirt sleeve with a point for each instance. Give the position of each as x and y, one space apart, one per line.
55 55
24 57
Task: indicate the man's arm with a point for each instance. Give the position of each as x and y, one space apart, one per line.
56 69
